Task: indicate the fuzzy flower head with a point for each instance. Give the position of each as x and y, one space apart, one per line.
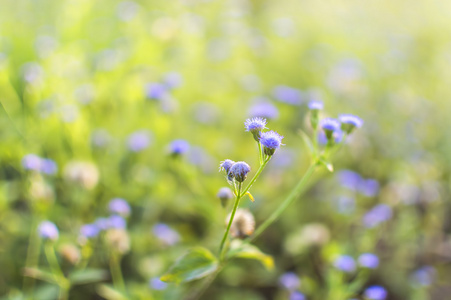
369 260
243 224
329 126
315 105
270 141
290 281
376 292
89 230
239 171
345 263
226 165
349 122
225 194
255 126
119 206
47 230
178 147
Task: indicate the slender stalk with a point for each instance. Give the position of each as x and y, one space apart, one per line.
63 282
116 272
265 162
32 256
290 199
239 195
53 261
235 206
260 158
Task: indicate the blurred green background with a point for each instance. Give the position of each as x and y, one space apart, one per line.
114 83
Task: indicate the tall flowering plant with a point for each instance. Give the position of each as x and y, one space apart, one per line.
236 241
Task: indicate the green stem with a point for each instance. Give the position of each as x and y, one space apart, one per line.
32 256
62 281
239 195
262 166
53 261
226 233
116 272
260 158
290 199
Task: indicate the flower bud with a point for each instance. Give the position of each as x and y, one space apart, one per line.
225 194
329 126
239 171
350 122
270 141
243 224
255 126
47 230
118 240
70 253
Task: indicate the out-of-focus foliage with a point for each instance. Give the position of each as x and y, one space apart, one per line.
100 92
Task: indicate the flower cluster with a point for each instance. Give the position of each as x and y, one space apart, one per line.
43 165
332 129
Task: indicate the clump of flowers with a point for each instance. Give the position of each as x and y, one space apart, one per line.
240 223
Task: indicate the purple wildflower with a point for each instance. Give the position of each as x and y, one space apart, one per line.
376 292
166 234
239 171
287 95
48 230
290 281
119 206
345 263
368 260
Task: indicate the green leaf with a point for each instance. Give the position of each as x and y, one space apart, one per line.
195 264
307 142
110 293
88 276
46 291
39 274
238 249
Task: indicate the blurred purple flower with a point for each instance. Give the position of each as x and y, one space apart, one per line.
139 140
172 80
368 260
378 214
375 292
345 263
89 230
349 179
263 109
102 223
368 187
345 205
119 206
166 234
290 281
156 284
297 296
116 221
48 166
32 162
48 230
424 276
178 147
315 105
287 95
156 91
